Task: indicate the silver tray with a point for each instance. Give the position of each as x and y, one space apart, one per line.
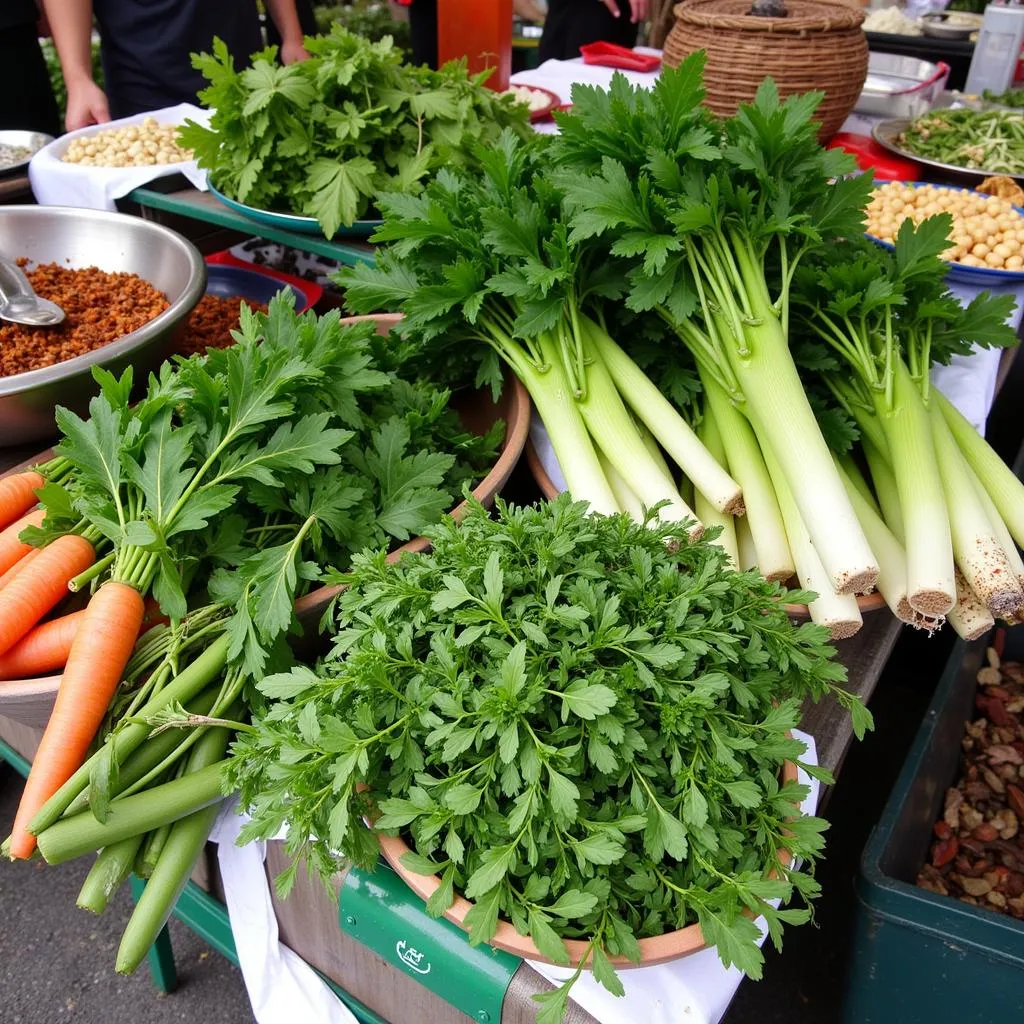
885 133
27 140
900 86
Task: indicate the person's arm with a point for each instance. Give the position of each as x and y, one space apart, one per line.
71 26
286 18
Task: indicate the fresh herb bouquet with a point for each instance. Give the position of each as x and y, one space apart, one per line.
320 138
578 722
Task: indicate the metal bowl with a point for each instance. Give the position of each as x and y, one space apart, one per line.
32 141
112 242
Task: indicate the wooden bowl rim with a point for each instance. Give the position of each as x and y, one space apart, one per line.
866 603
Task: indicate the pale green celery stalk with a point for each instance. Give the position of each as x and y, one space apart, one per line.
978 552
885 488
652 446
839 613
931 589
573 446
709 515
626 499
615 434
851 474
969 616
745 544
1005 490
658 414
892 560
1006 541
767 376
763 519
108 873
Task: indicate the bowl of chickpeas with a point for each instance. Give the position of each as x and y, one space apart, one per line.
147 143
987 237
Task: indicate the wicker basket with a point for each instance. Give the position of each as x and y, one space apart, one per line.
820 46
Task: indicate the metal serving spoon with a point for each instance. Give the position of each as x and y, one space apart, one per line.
19 304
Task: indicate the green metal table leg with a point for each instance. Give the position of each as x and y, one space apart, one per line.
161 954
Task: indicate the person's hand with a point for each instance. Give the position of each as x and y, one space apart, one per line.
293 52
639 9
87 104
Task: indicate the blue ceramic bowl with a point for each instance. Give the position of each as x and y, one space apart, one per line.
977 276
234 282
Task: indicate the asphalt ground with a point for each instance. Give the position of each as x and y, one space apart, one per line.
57 962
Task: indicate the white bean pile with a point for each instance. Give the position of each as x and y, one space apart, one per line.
134 145
987 231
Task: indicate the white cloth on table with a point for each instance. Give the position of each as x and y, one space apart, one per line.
282 987
56 183
559 76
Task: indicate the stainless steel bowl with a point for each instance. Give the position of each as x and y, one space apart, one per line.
112 242
32 141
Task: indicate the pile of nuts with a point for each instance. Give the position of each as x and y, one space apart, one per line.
987 230
978 852
134 145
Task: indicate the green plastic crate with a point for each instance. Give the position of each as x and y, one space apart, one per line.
917 956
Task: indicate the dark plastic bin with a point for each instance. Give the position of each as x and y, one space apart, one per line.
918 956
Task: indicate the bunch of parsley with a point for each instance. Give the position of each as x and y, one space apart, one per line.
320 138
578 722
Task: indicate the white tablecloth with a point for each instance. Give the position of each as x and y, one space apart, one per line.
55 183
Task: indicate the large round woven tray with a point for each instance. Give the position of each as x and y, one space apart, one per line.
819 46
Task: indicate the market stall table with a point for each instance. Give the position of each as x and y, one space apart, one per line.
375 983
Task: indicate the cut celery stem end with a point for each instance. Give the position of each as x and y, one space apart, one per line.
969 617
615 434
570 440
1005 490
1007 542
978 552
785 422
839 613
662 419
886 491
931 589
763 518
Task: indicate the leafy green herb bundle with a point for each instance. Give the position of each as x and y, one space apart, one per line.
578 722
320 138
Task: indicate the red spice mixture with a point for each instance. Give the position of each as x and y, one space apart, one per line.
211 323
99 308
978 852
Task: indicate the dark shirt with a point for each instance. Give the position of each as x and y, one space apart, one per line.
146 46
18 12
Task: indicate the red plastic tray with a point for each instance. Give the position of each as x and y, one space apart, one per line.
611 55
872 157
313 291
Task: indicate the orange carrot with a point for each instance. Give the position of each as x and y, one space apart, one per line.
19 566
98 655
12 549
42 651
40 587
18 495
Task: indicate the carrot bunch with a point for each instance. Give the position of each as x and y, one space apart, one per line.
215 500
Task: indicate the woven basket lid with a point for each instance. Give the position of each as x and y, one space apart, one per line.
805 16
